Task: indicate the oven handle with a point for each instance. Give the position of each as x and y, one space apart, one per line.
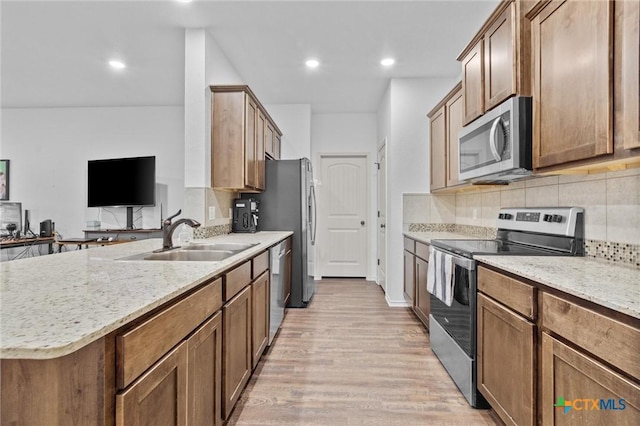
463 262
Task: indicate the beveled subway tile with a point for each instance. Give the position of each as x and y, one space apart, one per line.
490 208
415 208
623 173
541 196
581 177
623 209
541 181
590 195
443 209
512 198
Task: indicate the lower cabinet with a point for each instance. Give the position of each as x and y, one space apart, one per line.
236 348
409 276
578 390
260 299
506 366
159 397
205 374
422 305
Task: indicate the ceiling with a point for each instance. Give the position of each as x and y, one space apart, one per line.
55 53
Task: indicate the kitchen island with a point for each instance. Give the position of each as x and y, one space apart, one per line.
62 316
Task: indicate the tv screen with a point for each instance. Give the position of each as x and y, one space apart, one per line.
122 182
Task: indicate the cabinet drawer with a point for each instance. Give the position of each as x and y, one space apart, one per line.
260 264
139 348
237 279
409 245
422 250
609 339
511 292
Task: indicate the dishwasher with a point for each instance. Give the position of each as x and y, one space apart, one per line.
278 264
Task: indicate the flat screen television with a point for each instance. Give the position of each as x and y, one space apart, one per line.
122 182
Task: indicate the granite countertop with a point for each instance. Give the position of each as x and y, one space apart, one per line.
605 283
53 305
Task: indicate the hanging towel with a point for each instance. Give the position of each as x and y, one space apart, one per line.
440 276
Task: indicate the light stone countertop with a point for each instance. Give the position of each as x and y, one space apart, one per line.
613 286
53 305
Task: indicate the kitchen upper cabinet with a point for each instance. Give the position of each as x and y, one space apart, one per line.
627 72
238 139
272 142
572 46
445 124
472 82
495 64
438 141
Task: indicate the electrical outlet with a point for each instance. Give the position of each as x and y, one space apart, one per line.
212 212
475 213
230 212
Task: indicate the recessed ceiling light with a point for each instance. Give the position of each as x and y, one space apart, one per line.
117 64
387 62
312 63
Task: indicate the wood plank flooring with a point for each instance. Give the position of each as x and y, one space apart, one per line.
349 359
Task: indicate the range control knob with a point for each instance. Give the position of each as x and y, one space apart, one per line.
505 216
547 218
557 218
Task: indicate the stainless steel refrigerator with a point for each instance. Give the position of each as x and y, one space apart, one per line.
289 204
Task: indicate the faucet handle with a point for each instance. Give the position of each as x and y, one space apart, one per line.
168 220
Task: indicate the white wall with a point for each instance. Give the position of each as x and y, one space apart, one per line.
294 121
349 133
406 105
49 149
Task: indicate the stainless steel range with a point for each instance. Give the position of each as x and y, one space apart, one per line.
557 231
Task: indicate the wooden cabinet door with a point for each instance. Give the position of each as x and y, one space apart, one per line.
506 366
205 373
252 135
454 108
288 259
438 142
276 146
628 87
236 348
572 45
472 87
260 299
571 377
409 276
268 148
423 299
159 396
499 67
260 150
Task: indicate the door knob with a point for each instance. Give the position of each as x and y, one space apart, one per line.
362 222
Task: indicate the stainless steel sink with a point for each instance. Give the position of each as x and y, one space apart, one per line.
234 247
204 252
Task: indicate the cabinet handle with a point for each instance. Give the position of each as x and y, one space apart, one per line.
493 140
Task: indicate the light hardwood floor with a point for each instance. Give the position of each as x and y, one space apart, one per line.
349 359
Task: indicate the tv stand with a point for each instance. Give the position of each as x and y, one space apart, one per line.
123 234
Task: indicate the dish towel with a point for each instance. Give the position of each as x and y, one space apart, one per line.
440 276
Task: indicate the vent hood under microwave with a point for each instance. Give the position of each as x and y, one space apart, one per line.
497 147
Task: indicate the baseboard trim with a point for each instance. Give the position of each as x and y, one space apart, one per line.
396 303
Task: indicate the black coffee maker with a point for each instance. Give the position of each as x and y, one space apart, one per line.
245 215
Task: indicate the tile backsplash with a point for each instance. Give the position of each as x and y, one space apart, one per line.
611 202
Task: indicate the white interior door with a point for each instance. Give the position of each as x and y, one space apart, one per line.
343 207
382 216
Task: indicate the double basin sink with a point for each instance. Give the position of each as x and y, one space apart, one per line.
196 252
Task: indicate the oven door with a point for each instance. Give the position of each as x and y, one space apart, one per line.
458 320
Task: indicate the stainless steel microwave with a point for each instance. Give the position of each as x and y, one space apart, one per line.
496 148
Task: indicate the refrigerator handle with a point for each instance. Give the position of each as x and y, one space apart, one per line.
313 218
